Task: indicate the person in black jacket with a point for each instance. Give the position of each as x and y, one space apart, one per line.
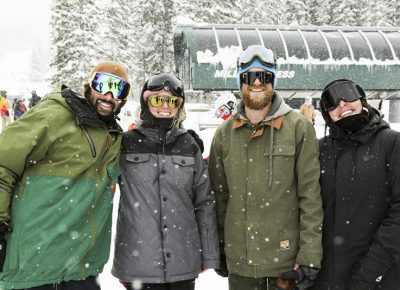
167 228
360 186
34 99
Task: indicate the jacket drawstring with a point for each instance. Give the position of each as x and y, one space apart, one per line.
271 147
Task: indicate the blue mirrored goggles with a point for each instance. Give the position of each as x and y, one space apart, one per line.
103 83
264 55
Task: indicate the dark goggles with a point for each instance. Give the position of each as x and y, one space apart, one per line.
250 77
346 91
103 83
165 81
173 102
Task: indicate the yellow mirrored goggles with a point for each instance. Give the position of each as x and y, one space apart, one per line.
173 102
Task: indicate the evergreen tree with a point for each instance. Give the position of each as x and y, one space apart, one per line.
317 14
297 12
263 12
377 14
343 12
153 22
207 11
393 12
119 36
76 43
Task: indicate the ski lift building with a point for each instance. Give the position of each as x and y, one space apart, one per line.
309 57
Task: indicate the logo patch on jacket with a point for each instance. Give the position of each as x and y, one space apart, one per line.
285 245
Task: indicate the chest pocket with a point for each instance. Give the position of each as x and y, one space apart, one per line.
183 171
139 168
283 162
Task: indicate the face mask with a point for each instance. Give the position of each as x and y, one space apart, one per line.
354 123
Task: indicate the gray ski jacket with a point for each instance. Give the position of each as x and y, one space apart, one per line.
166 229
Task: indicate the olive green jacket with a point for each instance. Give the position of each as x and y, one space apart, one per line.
266 181
56 167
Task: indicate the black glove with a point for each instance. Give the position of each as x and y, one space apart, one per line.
303 275
371 269
197 139
223 268
3 243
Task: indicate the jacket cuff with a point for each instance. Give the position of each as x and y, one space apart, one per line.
312 260
210 264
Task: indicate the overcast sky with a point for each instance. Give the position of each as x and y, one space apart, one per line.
24 23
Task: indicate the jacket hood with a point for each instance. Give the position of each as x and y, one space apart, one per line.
80 107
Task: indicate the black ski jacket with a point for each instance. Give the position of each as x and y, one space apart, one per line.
360 187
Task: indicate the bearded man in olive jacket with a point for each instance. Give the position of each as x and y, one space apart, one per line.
264 170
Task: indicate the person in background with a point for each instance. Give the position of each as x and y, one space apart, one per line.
264 170
307 110
4 111
19 109
34 99
14 105
360 185
224 106
137 119
380 109
166 229
57 167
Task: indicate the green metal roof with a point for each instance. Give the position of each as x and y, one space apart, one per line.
309 57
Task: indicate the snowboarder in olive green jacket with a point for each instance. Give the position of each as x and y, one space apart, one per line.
57 166
265 173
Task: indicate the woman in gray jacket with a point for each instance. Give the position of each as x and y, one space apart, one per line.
166 230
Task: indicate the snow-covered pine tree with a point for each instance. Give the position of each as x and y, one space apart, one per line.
376 16
262 12
343 12
317 12
392 13
207 11
77 45
297 12
154 37
118 35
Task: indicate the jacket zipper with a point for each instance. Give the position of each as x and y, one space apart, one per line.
90 141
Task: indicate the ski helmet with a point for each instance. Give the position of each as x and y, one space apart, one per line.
341 89
224 105
257 56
